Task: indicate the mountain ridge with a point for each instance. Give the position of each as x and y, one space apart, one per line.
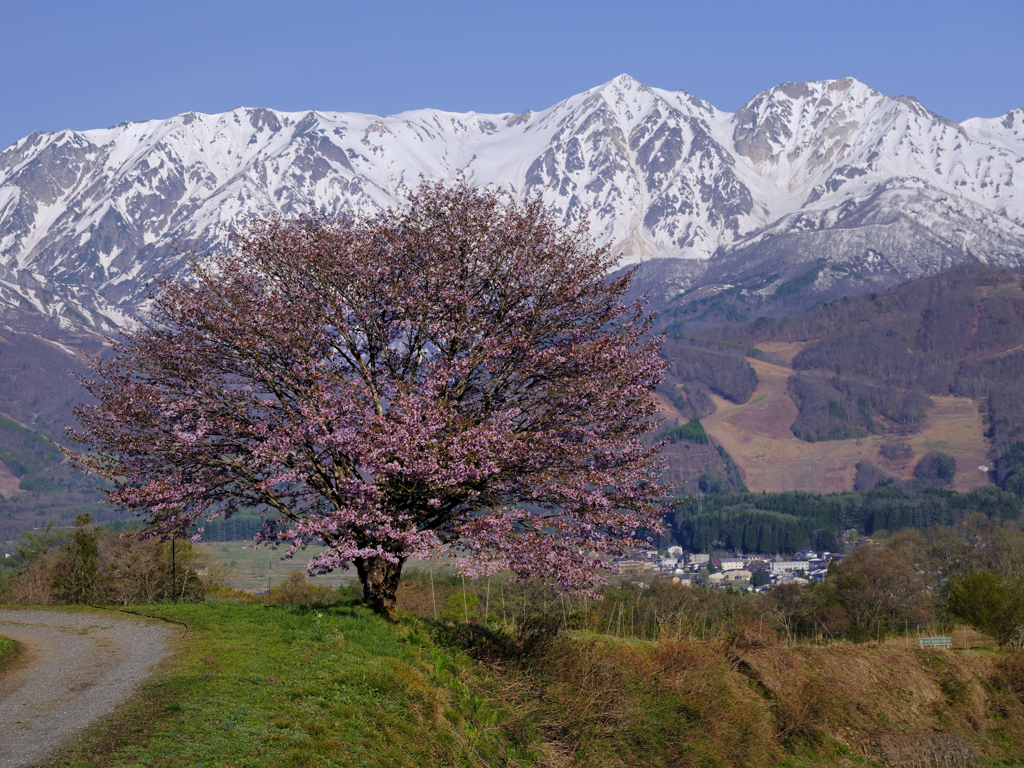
881 186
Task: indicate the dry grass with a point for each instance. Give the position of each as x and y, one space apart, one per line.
901 707
757 435
747 700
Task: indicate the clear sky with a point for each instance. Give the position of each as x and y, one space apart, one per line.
94 64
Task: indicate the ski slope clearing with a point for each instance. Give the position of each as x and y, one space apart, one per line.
757 434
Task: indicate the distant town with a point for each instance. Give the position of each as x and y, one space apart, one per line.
750 573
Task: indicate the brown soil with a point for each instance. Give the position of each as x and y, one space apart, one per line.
758 436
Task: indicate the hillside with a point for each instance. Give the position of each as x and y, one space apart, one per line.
758 434
37 398
885 380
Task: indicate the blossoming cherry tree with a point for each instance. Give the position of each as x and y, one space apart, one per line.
458 373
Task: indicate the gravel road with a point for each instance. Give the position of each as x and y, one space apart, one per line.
76 667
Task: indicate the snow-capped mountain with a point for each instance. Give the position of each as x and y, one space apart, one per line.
879 188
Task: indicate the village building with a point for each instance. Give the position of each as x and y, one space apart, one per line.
784 567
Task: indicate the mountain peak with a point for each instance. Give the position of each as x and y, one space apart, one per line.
654 172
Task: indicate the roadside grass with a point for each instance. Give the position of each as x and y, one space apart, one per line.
9 652
267 685
258 684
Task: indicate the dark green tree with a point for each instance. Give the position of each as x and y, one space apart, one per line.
78 575
992 603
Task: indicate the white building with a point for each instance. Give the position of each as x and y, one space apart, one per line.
700 558
731 563
781 567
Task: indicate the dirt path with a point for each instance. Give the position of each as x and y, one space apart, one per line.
76 667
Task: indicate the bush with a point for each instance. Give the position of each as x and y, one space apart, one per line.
460 607
297 590
99 566
992 603
79 576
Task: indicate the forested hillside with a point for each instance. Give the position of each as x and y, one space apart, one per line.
788 522
37 398
870 364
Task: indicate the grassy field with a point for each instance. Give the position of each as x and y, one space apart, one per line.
253 570
9 651
242 567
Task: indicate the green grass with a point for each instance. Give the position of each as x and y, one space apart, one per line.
9 652
255 685
264 685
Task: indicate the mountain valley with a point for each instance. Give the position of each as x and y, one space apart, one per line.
793 221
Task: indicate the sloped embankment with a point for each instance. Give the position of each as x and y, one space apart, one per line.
602 701
898 706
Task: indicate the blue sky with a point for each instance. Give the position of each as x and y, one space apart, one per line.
90 65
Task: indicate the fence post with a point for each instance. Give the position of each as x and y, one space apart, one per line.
432 598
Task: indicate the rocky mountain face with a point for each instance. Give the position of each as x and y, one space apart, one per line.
872 189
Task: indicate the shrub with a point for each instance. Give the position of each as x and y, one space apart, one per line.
297 590
460 607
992 603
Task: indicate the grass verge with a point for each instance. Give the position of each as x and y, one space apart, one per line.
266 685
9 652
256 685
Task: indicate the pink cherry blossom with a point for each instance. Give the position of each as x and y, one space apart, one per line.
460 373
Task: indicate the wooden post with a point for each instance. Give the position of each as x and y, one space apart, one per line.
432 598
174 582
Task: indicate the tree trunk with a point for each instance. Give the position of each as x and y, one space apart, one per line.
379 578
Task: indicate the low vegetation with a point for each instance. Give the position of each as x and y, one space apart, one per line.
9 652
95 565
335 685
259 685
